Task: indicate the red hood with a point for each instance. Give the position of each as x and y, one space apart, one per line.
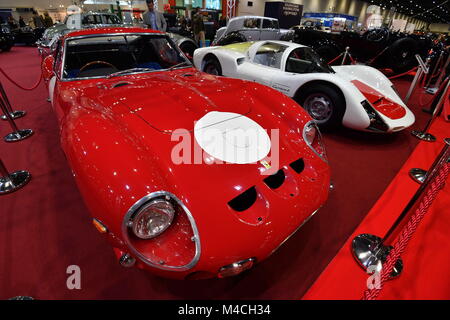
168 102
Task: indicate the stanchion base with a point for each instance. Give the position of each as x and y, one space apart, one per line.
425 136
18 135
369 251
15 115
14 181
418 175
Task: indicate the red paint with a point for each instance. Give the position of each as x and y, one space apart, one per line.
382 104
116 144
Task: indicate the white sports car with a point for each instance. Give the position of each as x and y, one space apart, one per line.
359 97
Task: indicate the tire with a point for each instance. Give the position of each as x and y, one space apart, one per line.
323 103
7 48
326 49
402 55
212 66
188 49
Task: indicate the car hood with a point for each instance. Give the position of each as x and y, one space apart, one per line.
175 100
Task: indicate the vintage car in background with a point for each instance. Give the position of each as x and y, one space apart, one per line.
356 96
379 48
125 99
100 19
249 28
6 38
78 21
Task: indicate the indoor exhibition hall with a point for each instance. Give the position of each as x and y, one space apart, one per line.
224 150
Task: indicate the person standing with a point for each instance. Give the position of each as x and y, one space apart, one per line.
22 23
198 27
37 20
48 22
153 18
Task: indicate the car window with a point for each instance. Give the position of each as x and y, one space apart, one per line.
270 24
306 60
270 54
252 23
90 19
110 19
101 55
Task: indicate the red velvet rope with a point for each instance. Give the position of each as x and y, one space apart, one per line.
409 229
330 62
402 74
18 85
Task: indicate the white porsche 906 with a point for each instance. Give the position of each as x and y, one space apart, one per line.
356 96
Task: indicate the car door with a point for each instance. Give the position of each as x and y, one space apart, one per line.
270 30
264 65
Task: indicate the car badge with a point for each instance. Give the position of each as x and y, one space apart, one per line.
265 164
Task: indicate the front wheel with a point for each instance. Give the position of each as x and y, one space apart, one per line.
324 104
212 66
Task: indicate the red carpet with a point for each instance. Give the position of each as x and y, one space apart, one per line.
45 227
426 259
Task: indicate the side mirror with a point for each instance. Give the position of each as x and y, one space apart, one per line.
47 67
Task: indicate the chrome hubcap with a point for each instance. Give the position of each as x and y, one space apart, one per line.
319 107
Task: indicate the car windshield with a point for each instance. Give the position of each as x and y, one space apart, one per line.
306 60
102 56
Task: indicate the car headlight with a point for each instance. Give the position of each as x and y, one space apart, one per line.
313 139
152 219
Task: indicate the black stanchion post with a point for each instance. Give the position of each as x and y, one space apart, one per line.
14 114
10 182
17 134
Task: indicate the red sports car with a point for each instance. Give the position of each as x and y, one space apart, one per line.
136 121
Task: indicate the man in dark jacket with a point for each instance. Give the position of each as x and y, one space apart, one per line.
198 27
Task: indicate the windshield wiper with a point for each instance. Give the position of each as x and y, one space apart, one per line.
131 70
179 65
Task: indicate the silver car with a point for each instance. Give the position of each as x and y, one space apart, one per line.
250 28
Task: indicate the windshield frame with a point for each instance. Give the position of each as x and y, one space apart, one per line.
164 35
323 66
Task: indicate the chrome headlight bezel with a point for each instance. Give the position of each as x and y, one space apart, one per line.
311 134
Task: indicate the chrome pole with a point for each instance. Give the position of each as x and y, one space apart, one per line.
370 250
10 182
424 134
14 114
16 134
441 56
345 55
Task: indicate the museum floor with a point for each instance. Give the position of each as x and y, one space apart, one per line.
45 227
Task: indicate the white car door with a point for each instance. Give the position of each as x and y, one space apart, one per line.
264 63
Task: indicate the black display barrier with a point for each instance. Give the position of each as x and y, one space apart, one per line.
288 14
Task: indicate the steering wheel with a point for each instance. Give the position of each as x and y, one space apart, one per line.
377 35
92 63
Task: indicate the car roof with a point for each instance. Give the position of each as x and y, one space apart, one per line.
108 30
254 17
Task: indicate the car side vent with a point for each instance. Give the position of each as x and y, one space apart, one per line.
240 61
298 165
120 84
188 75
243 201
276 180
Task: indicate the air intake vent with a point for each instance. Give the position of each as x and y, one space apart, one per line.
276 180
120 84
243 201
298 165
